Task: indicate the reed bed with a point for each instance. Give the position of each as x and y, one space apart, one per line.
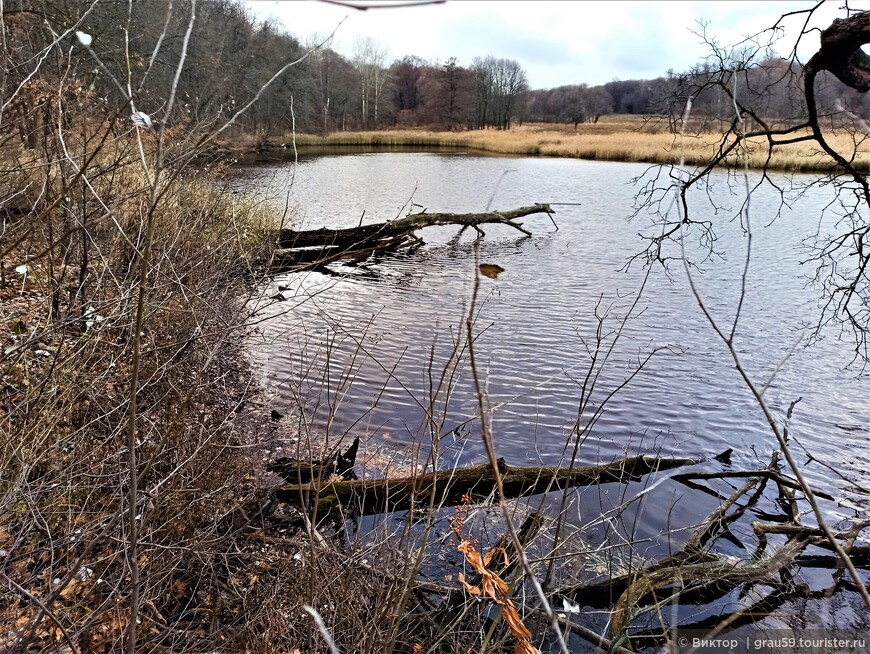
617 139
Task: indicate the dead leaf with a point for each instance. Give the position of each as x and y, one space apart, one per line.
518 629
490 270
495 588
70 589
474 590
490 583
488 556
525 647
467 549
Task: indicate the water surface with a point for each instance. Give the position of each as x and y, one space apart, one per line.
363 348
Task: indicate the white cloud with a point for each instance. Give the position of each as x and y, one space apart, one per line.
562 42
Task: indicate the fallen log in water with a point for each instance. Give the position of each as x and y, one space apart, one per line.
296 471
696 572
321 246
447 488
719 571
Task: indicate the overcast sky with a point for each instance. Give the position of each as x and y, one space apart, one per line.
561 42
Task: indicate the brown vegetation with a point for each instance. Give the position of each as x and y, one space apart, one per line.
131 516
70 251
613 138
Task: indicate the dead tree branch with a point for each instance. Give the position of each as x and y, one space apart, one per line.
321 246
370 496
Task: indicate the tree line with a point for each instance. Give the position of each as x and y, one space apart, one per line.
231 56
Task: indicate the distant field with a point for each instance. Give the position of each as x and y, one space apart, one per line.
613 138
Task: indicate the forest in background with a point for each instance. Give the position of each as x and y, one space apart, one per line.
232 56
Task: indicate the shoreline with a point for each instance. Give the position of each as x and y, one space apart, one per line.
616 140
214 540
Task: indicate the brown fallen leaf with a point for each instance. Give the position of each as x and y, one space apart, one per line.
70 589
494 587
514 622
490 270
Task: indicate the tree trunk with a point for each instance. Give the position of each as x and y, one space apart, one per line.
321 246
841 53
447 488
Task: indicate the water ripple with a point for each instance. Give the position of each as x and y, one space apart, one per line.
385 336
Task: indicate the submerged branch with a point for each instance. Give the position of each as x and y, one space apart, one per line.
442 488
321 246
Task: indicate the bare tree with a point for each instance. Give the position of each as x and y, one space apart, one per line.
511 82
370 58
743 77
842 258
447 95
321 60
499 85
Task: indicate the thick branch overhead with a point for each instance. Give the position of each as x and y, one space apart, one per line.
840 51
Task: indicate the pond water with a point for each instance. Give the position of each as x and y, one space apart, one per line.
363 349
370 350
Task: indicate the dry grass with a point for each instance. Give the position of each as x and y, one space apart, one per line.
222 568
67 296
615 138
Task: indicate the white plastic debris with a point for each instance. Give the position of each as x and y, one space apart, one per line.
84 39
92 318
22 269
142 120
568 607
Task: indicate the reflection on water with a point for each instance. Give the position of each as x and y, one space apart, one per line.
366 349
